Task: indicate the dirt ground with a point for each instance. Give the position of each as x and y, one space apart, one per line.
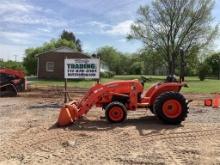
28 135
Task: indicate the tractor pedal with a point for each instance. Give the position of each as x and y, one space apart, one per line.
143 105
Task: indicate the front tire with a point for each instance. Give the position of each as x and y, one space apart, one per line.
8 90
115 112
171 107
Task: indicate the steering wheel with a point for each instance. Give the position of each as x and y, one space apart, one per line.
144 79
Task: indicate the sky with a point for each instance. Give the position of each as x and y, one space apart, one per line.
97 23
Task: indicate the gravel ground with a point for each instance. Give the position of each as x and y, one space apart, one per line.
28 135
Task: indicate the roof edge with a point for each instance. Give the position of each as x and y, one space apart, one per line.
55 49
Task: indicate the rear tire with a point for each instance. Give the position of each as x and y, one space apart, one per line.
171 107
115 112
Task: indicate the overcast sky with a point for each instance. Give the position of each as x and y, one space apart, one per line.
29 23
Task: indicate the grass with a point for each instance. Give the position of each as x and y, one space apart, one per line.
195 85
207 86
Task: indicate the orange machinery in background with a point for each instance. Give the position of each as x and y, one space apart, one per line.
11 82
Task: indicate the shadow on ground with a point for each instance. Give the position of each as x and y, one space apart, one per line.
143 123
42 106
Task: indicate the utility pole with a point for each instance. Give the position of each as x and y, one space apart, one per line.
15 57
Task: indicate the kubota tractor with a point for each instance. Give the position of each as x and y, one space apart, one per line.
116 98
11 82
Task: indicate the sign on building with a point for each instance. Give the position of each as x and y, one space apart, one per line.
82 68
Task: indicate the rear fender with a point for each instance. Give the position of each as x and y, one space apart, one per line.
158 89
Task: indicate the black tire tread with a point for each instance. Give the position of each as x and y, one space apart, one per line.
166 96
109 106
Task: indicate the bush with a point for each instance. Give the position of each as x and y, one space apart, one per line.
11 65
107 74
136 68
203 71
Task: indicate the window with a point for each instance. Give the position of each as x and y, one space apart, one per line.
50 66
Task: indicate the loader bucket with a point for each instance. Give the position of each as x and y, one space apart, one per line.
68 114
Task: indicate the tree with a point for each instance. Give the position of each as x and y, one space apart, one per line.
203 71
168 25
143 62
136 68
126 61
153 63
214 63
30 59
69 36
111 57
192 62
11 65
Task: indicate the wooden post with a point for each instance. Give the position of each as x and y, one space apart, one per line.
98 80
65 85
182 65
65 91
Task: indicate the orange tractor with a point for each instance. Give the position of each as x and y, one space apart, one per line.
116 98
11 82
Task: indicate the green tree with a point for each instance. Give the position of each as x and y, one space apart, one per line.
69 36
30 59
203 71
153 62
214 63
136 68
112 58
125 63
11 65
144 62
168 25
191 62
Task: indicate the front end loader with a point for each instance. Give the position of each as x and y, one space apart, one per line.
116 98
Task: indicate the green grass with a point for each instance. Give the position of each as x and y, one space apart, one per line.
206 86
195 86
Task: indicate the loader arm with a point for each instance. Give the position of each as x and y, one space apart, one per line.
90 99
74 110
101 95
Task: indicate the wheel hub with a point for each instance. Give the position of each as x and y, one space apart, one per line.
116 113
172 108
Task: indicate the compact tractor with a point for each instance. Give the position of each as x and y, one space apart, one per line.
11 82
117 98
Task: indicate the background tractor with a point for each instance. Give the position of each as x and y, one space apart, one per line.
117 98
11 82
